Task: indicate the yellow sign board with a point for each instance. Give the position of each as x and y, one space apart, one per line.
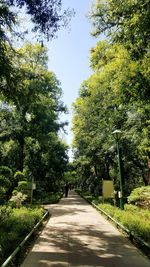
108 189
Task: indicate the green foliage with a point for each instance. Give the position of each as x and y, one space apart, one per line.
51 198
135 220
47 17
131 207
22 186
5 212
19 176
30 100
70 176
17 224
140 196
49 20
29 140
89 197
115 96
124 22
5 181
6 171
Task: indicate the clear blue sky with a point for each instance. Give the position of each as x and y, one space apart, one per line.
69 55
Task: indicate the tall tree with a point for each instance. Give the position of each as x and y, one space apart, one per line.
126 22
32 117
47 18
107 102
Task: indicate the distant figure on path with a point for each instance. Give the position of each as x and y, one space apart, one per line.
66 190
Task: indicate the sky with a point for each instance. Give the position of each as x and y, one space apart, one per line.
69 56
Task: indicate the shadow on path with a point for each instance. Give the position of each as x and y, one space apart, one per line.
77 235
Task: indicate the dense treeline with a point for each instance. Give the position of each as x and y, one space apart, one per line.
30 101
115 96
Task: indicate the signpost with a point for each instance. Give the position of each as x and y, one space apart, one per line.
108 189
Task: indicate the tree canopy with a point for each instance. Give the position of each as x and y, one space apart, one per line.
126 22
30 120
47 16
115 96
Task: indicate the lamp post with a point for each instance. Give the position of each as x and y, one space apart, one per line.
117 134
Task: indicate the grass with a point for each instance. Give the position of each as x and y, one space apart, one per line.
136 220
14 226
132 217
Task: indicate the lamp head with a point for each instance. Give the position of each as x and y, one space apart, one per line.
117 134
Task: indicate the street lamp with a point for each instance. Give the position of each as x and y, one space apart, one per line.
117 134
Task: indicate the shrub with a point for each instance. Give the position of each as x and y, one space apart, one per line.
4 185
140 196
5 182
4 213
135 219
50 198
90 198
19 176
22 185
15 226
131 207
6 171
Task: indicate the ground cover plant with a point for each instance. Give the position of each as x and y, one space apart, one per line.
140 196
48 198
15 224
133 217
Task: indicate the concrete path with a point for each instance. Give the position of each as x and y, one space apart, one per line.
77 235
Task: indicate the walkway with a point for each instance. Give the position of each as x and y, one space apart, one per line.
77 235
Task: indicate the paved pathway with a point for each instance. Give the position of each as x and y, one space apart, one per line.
77 235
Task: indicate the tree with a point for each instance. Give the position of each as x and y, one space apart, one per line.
47 18
126 22
36 89
31 95
107 102
116 96
32 119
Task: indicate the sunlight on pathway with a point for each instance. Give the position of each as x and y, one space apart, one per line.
77 235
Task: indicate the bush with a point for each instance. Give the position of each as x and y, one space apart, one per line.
50 198
15 226
133 218
89 197
140 196
6 171
4 213
19 176
5 184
